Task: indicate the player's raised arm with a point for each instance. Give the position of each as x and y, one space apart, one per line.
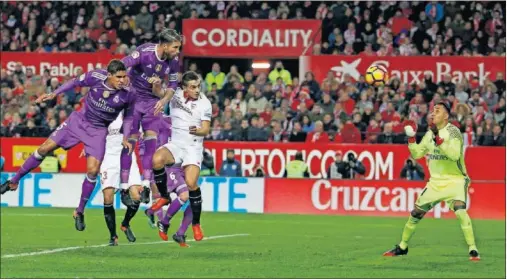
417 151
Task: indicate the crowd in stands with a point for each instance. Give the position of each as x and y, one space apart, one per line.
369 27
275 106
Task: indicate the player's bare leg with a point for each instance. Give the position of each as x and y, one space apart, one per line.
31 163
161 158
110 215
171 211
92 171
132 199
466 226
191 177
402 249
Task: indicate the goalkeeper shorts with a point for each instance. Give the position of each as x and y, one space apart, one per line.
448 190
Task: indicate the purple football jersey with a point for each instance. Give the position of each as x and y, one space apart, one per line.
102 104
145 63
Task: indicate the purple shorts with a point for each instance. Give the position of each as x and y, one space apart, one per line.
176 180
75 130
144 115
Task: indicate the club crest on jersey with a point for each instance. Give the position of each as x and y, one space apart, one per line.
158 68
116 99
192 106
135 54
106 94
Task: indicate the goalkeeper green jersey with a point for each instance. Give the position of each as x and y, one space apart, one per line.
446 161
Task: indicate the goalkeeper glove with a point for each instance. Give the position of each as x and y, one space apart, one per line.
438 140
410 130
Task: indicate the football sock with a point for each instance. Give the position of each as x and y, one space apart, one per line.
110 217
131 212
160 214
86 191
161 182
172 210
150 146
125 164
196 205
466 227
31 163
185 223
408 231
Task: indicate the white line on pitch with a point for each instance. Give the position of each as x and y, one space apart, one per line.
52 251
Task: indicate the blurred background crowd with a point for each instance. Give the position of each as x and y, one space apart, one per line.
274 106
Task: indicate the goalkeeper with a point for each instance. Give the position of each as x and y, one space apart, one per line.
448 182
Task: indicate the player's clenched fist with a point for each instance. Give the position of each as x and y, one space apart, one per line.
410 130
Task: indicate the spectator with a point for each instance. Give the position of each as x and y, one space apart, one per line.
144 20
297 134
496 139
277 134
279 71
319 135
227 134
258 102
239 103
215 77
256 131
388 137
412 170
231 167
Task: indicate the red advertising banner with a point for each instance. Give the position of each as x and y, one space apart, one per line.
60 64
409 69
381 161
372 198
249 38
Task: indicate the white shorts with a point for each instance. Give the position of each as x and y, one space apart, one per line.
185 154
110 171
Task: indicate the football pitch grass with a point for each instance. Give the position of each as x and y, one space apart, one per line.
42 243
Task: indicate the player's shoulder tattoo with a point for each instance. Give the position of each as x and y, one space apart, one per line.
454 132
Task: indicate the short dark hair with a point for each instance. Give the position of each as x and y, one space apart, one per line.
188 76
115 66
168 36
446 106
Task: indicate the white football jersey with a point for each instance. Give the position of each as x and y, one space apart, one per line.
114 136
187 113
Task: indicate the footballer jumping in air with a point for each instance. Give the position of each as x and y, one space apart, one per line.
190 119
149 64
109 95
449 181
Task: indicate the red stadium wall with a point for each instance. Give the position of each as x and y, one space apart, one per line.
382 162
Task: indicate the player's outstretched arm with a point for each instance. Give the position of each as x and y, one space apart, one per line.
417 151
452 147
81 81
